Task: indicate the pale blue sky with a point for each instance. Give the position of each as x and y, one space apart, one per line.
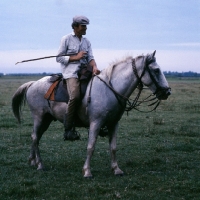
33 28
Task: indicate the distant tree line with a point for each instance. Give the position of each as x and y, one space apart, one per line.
181 74
166 73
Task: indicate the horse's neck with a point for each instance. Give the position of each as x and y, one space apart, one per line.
123 79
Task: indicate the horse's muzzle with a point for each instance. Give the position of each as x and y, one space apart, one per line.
163 93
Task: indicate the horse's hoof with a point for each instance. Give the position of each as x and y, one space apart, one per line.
119 174
41 167
88 176
117 171
32 162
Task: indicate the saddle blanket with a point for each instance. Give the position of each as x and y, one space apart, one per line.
58 89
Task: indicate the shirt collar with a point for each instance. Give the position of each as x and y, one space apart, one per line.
76 36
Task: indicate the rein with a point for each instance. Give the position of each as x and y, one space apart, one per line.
135 103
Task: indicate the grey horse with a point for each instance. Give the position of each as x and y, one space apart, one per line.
108 91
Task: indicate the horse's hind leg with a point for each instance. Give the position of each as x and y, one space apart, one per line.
41 124
113 148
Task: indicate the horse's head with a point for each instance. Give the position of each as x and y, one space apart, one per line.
153 77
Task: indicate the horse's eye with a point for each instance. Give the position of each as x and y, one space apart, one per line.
157 71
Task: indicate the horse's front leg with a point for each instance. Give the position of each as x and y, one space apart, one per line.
93 133
113 148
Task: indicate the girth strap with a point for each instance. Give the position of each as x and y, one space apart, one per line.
50 93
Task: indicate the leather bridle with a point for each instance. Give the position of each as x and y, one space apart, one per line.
133 104
148 61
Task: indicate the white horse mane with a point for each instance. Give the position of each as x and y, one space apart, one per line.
108 71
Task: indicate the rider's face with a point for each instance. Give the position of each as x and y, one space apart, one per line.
80 30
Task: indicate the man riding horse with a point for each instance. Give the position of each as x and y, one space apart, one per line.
80 54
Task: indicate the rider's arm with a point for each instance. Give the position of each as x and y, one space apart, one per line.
63 51
77 57
94 66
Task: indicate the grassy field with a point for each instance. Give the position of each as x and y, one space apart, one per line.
159 153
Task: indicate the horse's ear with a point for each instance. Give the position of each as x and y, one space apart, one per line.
154 53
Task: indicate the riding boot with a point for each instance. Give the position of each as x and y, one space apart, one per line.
70 133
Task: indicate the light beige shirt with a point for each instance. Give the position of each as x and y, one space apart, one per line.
71 45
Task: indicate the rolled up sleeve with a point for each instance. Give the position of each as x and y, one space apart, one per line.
62 51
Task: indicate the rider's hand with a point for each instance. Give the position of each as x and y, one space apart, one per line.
78 56
96 71
81 54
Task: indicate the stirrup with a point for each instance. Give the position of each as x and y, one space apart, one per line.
71 135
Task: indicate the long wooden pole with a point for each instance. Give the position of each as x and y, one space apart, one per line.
42 58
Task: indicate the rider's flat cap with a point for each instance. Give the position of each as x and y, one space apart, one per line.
81 20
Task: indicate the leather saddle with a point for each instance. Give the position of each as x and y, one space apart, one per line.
58 89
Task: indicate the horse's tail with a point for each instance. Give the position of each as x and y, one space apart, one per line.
19 99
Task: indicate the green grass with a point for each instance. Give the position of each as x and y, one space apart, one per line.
159 153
